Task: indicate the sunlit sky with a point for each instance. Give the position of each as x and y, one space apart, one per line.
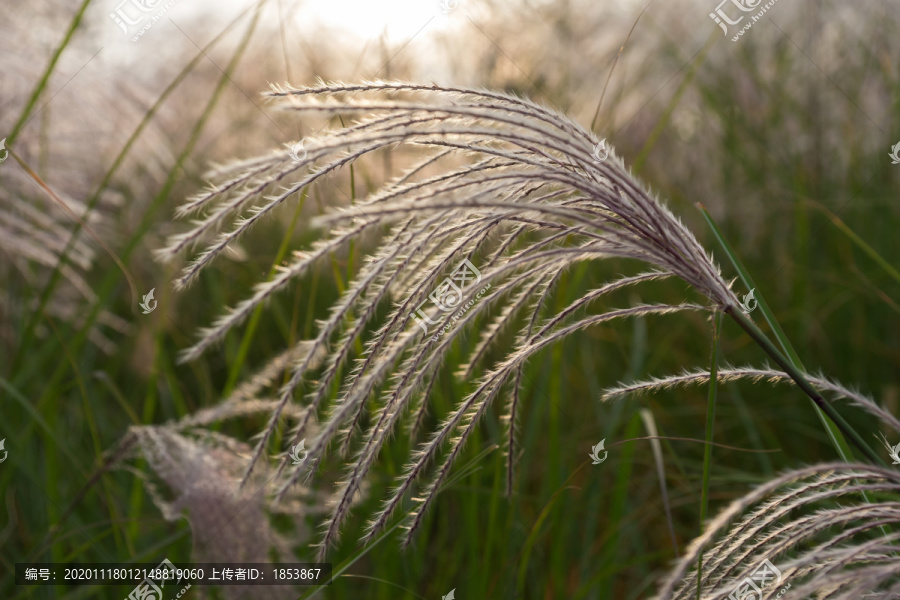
357 22
398 19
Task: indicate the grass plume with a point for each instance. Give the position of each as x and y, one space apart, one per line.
526 199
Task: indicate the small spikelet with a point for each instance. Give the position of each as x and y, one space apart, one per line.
727 374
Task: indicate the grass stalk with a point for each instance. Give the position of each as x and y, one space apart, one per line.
656 447
45 78
797 375
710 421
47 292
789 360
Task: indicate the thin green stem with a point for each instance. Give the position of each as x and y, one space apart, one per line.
834 433
36 316
710 420
45 78
244 349
800 379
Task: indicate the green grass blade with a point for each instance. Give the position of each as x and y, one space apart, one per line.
866 248
831 427
45 78
710 422
536 529
108 286
235 369
54 278
666 117
351 560
37 418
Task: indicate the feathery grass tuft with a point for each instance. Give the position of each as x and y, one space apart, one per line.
526 201
832 549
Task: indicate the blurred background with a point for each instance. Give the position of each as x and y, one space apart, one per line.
784 135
